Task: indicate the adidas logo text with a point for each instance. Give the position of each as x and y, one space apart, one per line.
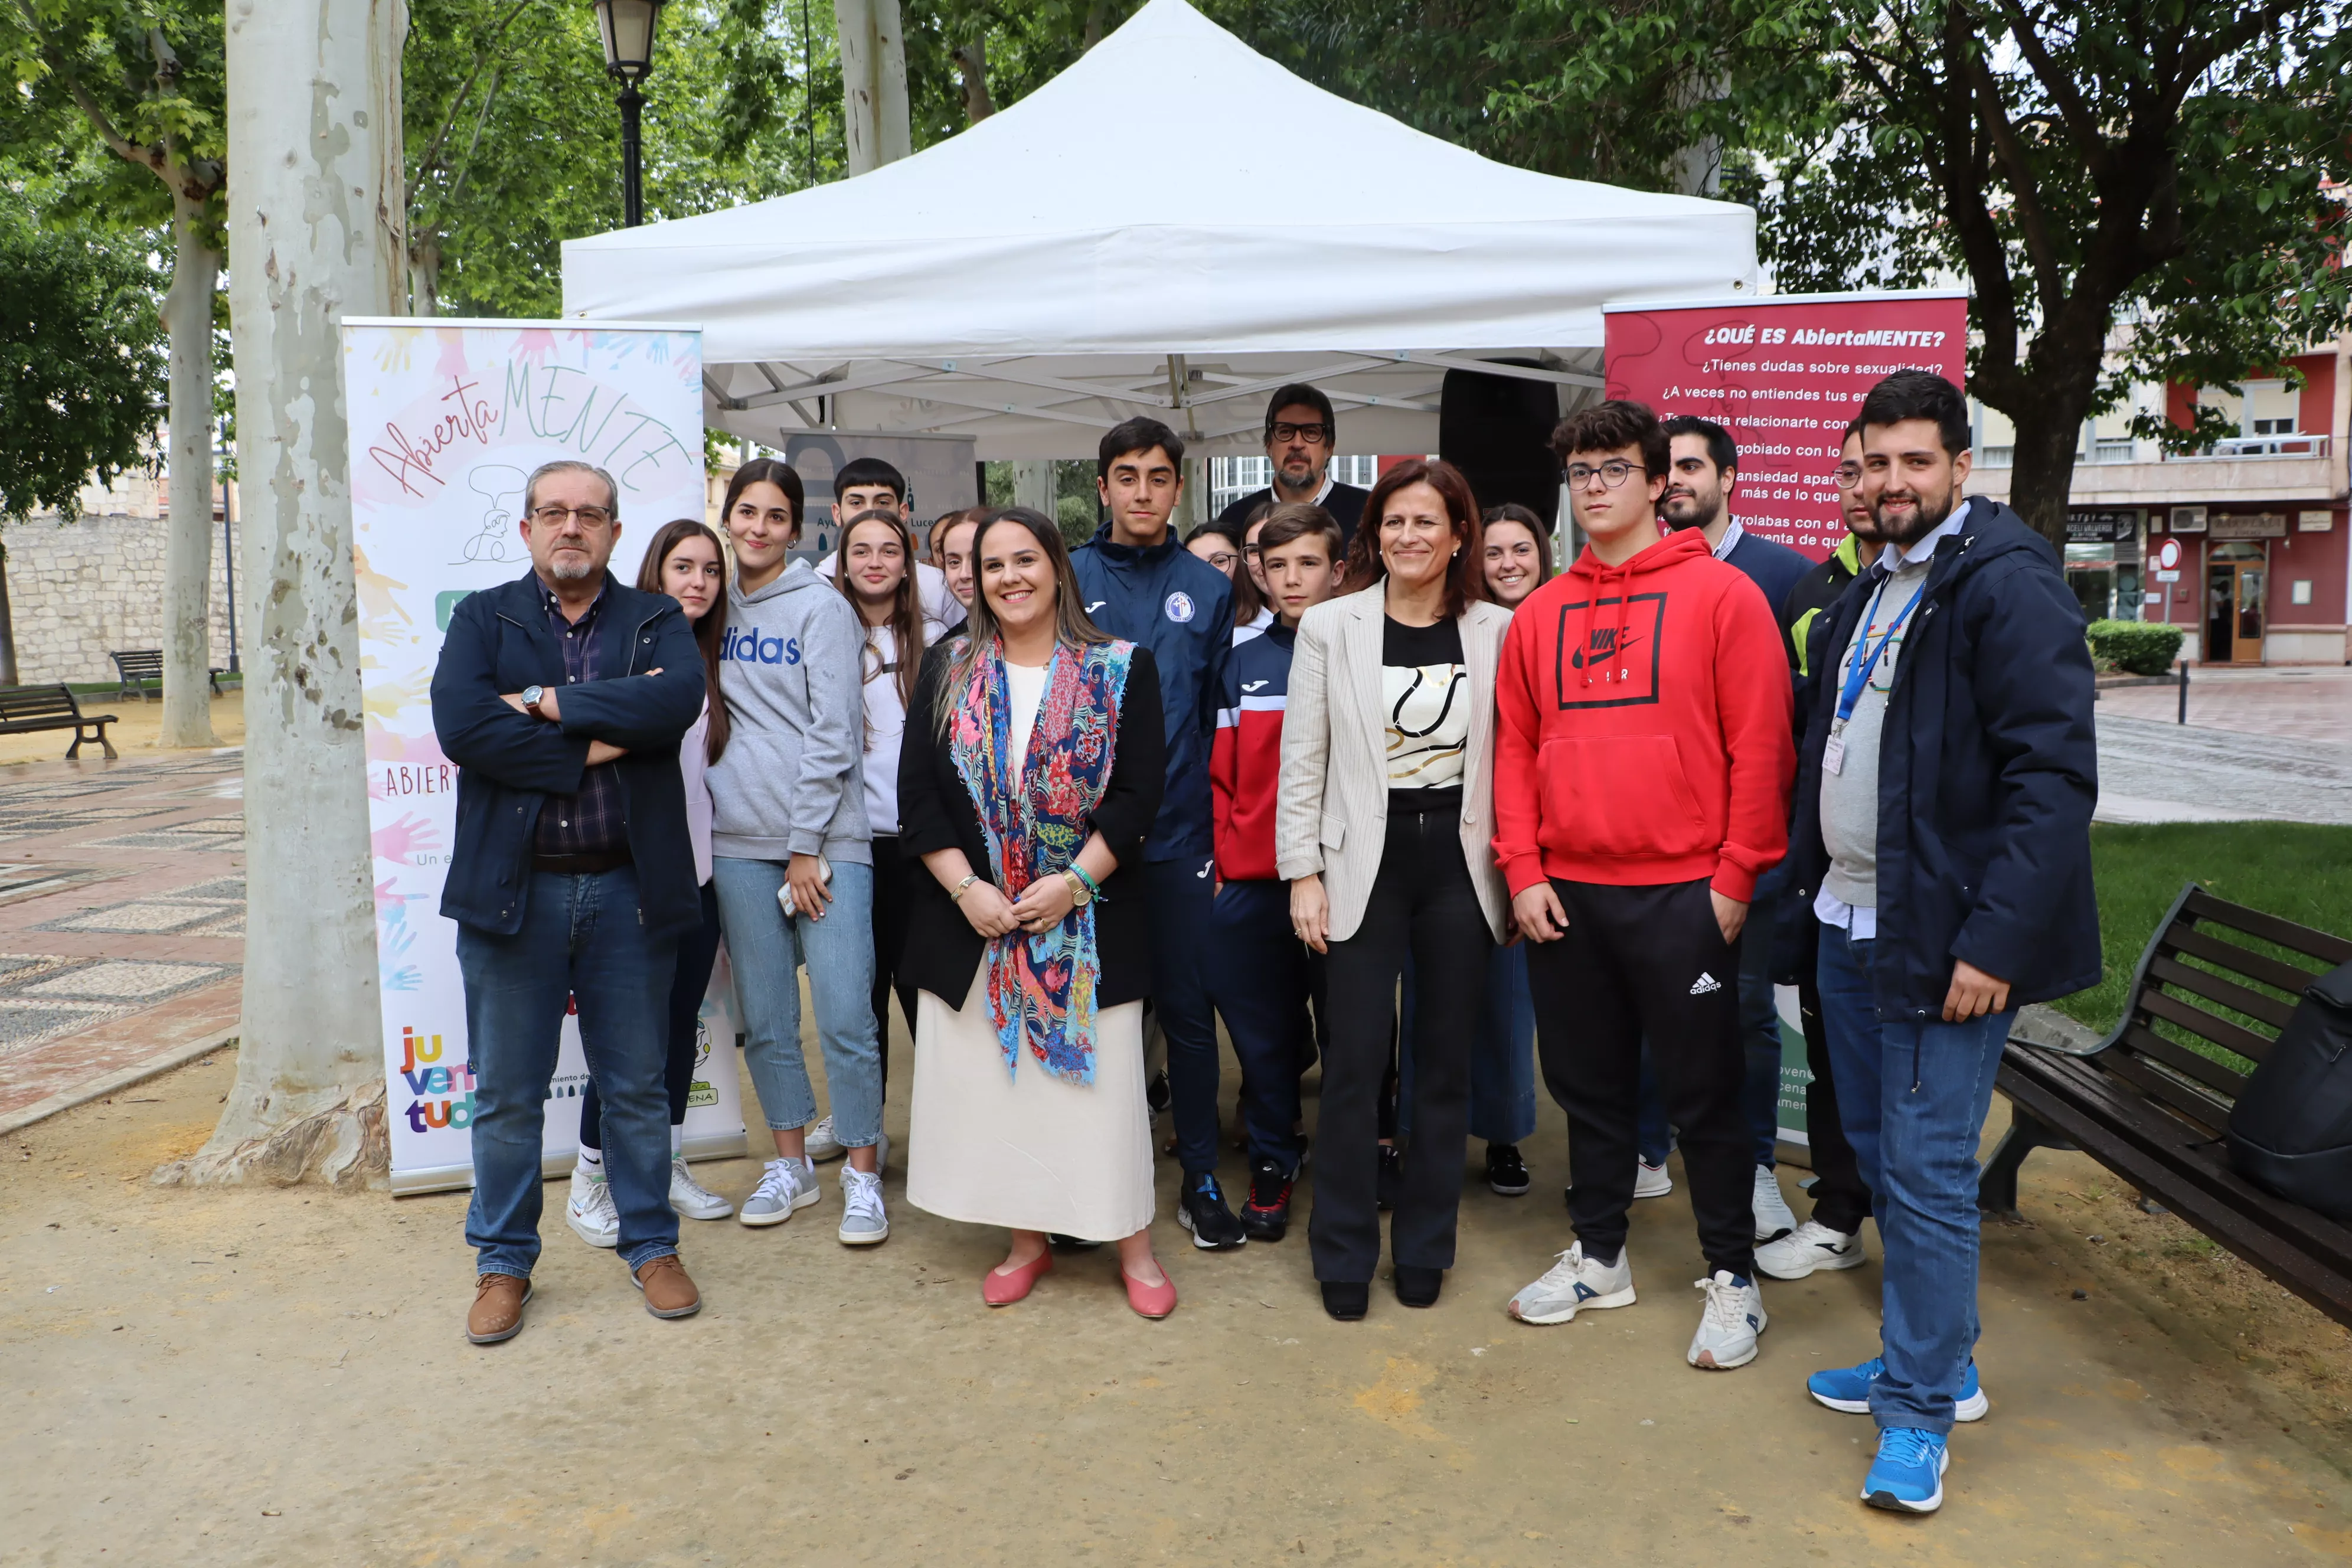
1705 984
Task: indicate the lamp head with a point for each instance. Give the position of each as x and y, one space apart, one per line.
628 28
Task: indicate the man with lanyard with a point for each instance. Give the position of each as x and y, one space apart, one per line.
1705 470
1942 835
1140 584
1832 1238
1301 434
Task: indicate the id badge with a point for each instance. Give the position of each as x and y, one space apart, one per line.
1833 755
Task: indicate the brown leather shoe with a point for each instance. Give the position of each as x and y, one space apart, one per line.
668 1292
499 1301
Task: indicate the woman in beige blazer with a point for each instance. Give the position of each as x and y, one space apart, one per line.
1383 818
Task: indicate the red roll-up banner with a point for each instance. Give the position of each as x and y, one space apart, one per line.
1783 373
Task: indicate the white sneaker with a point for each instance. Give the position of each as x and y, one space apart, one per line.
821 1143
691 1198
591 1214
784 1185
1573 1284
1651 1181
1810 1245
1727 1328
1774 1217
863 1223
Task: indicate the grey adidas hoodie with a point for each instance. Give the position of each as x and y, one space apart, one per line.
790 780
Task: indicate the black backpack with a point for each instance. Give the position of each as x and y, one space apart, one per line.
2291 1129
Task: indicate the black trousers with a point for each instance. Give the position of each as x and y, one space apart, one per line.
698 954
1647 961
1841 1198
1423 902
893 890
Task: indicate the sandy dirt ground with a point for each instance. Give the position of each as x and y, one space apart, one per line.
279 1377
134 732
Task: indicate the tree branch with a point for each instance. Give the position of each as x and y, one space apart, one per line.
61 67
482 60
2097 155
2031 220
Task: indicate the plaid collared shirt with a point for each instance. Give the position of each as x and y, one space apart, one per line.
593 822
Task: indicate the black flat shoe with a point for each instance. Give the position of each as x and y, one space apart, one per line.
1418 1286
1507 1172
1346 1302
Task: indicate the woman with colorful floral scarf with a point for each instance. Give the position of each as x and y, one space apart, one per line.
1030 770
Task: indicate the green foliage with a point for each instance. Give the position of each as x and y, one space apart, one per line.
2136 647
514 143
81 363
2296 870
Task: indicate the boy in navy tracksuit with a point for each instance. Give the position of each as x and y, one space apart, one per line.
1140 584
1261 974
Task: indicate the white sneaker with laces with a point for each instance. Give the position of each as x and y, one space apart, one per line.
784 1185
691 1198
863 1223
1774 1217
822 1144
1728 1326
1573 1284
1651 1181
1812 1246
590 1213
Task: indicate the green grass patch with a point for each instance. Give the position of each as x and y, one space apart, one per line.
2295 870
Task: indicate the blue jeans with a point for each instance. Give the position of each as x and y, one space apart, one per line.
767 950
1912 1097
580 940
1502 1053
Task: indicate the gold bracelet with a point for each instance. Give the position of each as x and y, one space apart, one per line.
956 893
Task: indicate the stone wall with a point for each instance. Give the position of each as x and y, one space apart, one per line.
80 590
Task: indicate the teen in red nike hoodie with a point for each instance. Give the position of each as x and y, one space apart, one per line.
1642 762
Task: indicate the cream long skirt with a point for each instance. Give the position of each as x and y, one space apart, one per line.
1026 1150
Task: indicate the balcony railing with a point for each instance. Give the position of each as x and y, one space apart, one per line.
2234 448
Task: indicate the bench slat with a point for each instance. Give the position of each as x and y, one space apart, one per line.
2330 950
2206 1111
2188 939
2203 1024
2220 1080
2227 993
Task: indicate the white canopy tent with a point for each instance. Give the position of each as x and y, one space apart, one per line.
1174 226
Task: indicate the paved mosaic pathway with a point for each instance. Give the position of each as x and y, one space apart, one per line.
121 921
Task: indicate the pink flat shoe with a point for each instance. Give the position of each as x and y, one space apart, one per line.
1001 1289
1150 1300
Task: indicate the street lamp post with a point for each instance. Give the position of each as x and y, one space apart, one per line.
628 28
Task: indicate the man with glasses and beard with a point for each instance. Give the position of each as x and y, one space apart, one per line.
1300 437
1705 469
1942 835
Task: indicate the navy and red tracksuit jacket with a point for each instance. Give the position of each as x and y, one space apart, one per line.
1245 759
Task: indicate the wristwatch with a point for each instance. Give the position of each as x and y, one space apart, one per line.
1080 894
530 696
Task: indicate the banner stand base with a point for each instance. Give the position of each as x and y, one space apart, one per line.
457 1178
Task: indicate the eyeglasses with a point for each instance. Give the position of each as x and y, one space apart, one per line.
1849 474
1313 435
555 516
1223 560
1611 474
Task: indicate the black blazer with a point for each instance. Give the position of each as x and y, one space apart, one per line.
935 812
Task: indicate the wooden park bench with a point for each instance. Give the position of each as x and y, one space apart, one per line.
136 666
25 709
2153 1110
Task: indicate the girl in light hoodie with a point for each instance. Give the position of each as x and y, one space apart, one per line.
791 852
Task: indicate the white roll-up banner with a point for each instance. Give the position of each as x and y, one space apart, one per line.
447 418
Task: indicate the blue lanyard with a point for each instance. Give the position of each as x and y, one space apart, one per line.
1866 657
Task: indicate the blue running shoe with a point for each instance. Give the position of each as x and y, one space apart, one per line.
1907 1476
1847 1389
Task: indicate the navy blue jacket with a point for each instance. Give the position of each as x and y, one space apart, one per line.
1988 772
510 763
1181 608
1775 568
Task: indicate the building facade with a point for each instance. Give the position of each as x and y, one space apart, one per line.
2244 547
